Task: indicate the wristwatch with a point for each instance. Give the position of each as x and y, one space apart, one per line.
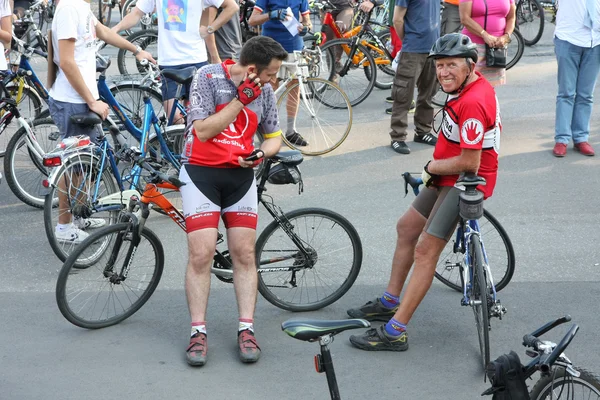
137 50
210 30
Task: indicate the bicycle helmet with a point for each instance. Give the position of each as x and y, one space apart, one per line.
454 45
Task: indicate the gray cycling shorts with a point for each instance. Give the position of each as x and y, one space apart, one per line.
61 112
440 207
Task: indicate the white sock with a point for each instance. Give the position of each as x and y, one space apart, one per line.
198 327
291 124
246 324
62 227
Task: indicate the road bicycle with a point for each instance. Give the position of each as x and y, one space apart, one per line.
307 258
530 20
465 263
88 174
324 116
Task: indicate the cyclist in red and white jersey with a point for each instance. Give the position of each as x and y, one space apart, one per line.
469 142
229 103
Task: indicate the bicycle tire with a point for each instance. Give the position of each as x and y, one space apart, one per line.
104 12
527 13
322 137
30 106
108 290
24 171
480 294
385 73
147 40
448 272
129 4
545 385
516 47
84 163
273 239
353 83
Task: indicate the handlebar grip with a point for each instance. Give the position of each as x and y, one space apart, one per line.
413 182
531 341
547 362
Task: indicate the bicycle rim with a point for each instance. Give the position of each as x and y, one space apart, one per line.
480 295
498 249
332 263
324 116
87 297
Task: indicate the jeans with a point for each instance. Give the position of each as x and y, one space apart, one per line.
578 69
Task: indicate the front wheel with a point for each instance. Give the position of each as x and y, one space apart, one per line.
561 385
147 40
117 285
480 298
308 260
323 117
530 20
516 47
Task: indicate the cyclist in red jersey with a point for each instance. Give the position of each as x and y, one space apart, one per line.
229 103
469 142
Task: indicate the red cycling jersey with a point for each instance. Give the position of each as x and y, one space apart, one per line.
471 120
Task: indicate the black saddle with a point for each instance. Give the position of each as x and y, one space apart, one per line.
102 63
470 180
289 157
181 76
311 330
89 118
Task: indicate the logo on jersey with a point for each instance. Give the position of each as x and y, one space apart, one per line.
472 131
238 128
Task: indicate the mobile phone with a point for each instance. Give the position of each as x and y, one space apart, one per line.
254 156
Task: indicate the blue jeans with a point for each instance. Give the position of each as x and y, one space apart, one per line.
578 69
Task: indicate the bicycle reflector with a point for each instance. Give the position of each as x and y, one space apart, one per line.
319 364
52 161
73 142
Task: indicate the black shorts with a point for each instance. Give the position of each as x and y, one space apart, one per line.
440 207
210 193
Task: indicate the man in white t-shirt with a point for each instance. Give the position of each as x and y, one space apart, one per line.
74 91
183 29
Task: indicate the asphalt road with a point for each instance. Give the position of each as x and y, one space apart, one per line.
548 206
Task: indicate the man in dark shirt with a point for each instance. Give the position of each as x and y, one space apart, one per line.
417 23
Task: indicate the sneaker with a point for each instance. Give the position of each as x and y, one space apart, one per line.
373 311
195 353
399 146
88 223
584 148
70 235
249 350
377 339
389 110
560 150
427 138
296 138
413 107
389 99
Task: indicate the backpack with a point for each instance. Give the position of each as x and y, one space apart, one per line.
506 376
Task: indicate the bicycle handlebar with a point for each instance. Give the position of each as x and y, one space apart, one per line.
413 182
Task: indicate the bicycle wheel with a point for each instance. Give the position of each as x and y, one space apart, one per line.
77 185
105 11
324 115
117 285
29 105
147 40
353 82
530 20
385 73
515 49
561 385
480 297
335 253
498 249
24 170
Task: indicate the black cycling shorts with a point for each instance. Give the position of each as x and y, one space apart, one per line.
440 207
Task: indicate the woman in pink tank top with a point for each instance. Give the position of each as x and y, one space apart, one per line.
500 24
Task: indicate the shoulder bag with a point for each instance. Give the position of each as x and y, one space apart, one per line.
494 56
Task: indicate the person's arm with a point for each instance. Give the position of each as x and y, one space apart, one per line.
399 13
210 127
130 20
467 161
510 26
52 68
228 9
262 14
208 19
6 31
465 9
112 37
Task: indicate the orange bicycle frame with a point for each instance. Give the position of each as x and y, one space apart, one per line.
152 195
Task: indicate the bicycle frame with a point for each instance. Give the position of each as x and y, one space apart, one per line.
301 72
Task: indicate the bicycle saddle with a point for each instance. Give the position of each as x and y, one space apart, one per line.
470 180
311 330
289 157
89 118
102 63
181 76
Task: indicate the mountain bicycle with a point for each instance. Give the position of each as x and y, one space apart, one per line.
307 258
467 255
559 379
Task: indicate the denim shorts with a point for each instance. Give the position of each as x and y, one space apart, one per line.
61 112
169 87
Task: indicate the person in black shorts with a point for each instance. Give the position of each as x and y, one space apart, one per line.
229 103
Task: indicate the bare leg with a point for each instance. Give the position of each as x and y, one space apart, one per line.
177 118
201 249
293 102
245 278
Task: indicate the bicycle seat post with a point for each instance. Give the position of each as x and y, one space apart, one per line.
324 363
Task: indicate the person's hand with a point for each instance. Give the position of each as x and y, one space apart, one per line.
426 176
204 32
249 89
303 29
254 158
100 108
490 40
503 41
366 6
144 55
279 15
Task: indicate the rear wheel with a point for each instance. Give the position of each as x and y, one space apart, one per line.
480 300
516 47
318 273
530 20
558 384
385 73
29 105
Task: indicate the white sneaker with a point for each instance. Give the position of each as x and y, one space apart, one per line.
71 235
88 223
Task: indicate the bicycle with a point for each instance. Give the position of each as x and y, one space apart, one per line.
105 9
29 30
558 375
468 255
530 20
303 242
324 128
